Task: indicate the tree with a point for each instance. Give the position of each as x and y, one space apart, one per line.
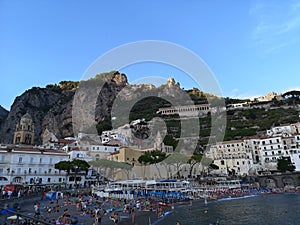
285 164
145 160
153 157
64 166
157 157
73 165
196 158
111 165
176 160
81 164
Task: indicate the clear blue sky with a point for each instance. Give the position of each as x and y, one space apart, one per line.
252 47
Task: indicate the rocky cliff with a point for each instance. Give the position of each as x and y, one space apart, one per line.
3 114
109 95
51 107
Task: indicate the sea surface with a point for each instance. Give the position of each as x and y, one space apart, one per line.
264 209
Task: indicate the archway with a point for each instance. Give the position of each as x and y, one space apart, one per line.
270 182
288 181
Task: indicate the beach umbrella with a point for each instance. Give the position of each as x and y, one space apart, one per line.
14 217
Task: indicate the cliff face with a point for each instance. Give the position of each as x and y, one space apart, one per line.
37 102
51 107
3 114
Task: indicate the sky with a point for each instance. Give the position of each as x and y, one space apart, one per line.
252 47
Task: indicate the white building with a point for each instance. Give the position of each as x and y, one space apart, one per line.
231 157
243 105
186 110
283 130
271 149
28 165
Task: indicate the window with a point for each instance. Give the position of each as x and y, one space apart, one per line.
41 160
20 159
223 163
266 153
237 163
51 160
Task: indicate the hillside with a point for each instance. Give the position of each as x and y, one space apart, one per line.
51 108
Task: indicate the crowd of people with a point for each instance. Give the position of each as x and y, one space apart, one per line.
88 208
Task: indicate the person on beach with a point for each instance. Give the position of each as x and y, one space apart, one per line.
132 215
191 204
117 218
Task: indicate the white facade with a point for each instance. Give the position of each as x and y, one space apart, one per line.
30 166
232 157
271 149
188 110
242 105
284 130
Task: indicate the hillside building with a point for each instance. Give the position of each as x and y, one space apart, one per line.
232 157
186 110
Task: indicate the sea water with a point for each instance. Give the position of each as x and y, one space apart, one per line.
275 209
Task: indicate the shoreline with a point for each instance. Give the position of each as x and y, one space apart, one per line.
142 217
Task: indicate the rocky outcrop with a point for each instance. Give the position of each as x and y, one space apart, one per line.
3 114
52 107
37 102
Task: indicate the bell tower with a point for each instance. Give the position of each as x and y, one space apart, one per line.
24 133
